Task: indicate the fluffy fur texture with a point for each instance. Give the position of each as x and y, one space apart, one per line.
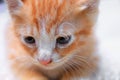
47 20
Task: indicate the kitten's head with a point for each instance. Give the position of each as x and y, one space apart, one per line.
56 34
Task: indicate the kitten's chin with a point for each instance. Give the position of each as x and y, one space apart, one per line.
53 69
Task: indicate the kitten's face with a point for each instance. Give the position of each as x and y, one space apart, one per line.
54 33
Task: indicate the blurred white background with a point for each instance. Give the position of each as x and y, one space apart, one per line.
107 31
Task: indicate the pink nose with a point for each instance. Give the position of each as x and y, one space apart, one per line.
45 62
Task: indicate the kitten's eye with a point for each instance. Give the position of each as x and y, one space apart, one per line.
29 40
63 40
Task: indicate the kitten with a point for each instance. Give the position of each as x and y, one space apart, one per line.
52 39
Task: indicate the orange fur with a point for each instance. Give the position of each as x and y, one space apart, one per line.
52 13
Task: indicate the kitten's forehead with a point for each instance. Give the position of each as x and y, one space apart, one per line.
46 15
52 11
45 8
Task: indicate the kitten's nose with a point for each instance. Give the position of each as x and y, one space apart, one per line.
44 56
45 62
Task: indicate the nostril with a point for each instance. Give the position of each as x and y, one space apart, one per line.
45 62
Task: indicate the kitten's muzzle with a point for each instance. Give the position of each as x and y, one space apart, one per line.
45 62
44 57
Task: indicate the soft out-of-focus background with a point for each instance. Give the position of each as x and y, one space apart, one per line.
107 31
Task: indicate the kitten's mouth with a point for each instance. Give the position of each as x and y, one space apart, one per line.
49 64
52 64
45 62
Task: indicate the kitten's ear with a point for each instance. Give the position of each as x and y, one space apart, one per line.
87 4
14 6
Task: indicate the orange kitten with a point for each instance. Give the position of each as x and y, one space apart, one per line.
52 39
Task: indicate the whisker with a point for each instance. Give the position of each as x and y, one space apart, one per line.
78 64
84 59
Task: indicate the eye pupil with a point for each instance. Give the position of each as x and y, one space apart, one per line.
63 40
30 40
